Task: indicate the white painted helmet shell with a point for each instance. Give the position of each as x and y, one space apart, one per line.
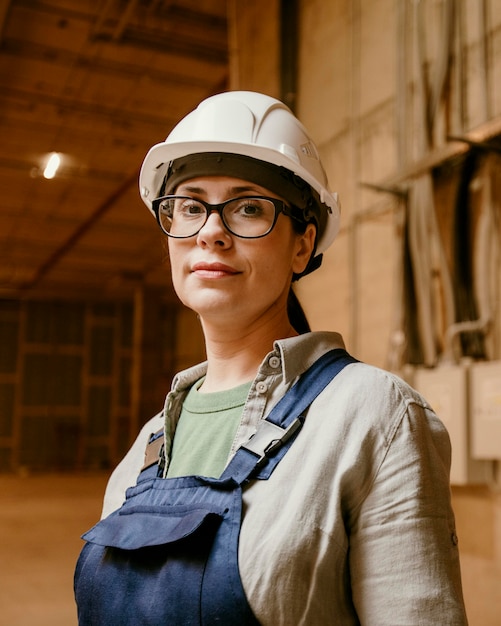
249 124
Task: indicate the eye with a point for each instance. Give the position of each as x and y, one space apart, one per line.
187 207
248 208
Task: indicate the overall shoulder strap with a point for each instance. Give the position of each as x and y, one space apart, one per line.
275 434
154 449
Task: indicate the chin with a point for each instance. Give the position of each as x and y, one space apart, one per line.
210 305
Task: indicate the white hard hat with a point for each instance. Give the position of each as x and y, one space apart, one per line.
258 128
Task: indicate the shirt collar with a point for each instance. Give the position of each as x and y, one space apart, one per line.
296 354
299 353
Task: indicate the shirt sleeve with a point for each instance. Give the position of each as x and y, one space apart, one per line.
404 561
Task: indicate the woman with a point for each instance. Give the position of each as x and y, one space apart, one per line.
259 501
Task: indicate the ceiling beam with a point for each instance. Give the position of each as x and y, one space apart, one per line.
75 105
124 18
82 229
61 57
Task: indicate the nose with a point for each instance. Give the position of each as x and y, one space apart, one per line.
214 232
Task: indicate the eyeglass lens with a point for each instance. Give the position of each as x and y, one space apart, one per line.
245 217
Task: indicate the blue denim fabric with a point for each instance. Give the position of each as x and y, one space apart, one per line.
169 555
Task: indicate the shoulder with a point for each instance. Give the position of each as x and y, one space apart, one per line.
375 410
369 384
375 433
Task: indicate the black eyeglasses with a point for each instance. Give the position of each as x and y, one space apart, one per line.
249 217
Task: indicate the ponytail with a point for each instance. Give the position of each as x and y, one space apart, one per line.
297 316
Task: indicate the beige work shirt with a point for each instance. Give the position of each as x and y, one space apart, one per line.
355 525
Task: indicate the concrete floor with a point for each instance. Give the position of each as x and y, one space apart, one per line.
41 520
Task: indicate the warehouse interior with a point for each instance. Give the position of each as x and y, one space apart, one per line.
403 98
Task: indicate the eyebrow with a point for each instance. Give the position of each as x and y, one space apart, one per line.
229 190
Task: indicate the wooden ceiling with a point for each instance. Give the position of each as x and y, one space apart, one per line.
98 82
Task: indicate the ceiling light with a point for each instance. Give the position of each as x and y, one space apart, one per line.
52 165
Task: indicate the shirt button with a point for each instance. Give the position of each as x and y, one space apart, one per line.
262 387
274 362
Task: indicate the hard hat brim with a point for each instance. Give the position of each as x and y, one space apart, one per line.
159 157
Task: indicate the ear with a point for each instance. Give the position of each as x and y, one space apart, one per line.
304 249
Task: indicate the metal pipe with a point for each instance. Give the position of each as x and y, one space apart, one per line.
482 145
470 326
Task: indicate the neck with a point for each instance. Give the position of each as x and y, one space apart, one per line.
234 354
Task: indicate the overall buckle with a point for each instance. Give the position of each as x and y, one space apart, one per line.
269 437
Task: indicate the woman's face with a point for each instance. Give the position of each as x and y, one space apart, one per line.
226 279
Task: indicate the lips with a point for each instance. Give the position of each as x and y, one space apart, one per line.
213 270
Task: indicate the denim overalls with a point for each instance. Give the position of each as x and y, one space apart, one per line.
169 555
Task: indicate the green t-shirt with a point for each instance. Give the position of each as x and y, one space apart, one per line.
205 431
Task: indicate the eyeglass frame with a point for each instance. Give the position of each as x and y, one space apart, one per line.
279 205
